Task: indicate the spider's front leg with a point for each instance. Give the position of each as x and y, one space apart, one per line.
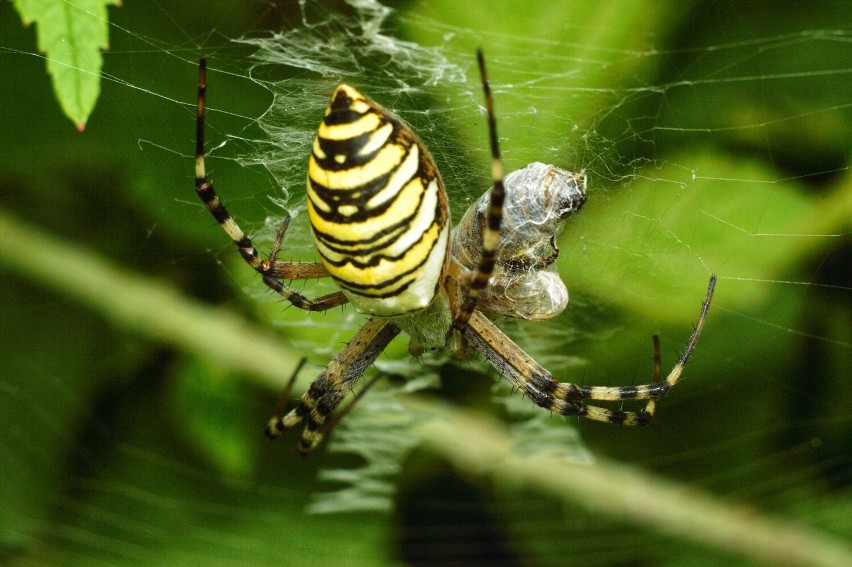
272 271
478 280
338 378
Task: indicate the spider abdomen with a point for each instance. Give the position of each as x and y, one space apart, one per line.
377 207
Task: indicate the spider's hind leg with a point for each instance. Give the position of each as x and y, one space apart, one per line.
536 382
332 385
566 398
651 392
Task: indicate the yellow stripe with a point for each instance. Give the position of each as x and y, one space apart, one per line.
399 178
377 139
321 205
393 243
419 224
360 106
317 150
366 123
384 162
233 230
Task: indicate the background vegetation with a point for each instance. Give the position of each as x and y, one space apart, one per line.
126 438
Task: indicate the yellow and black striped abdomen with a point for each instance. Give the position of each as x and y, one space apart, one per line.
377 207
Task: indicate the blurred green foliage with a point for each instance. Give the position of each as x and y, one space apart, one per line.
119 449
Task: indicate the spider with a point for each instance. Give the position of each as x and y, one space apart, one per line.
381 224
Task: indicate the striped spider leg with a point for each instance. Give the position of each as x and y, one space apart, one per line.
566 398
379 214
271 270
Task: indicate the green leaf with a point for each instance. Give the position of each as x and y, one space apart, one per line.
748 227
71 36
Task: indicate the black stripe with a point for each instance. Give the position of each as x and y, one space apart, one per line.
362 289
341 110
351 148
641 418
311 424
244 242
495 211
616 417
345 196
380 240
581 391
566 408
543 380
358 288
658 389
484 271
627 392
379 295
219 212
327 404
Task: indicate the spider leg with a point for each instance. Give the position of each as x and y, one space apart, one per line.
658 373
491 233
284 398
272 271
516 365
343 412
567 398
658 363
652 391
291 270
674 375
338 378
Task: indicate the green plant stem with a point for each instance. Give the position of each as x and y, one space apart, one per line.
475 444
144 305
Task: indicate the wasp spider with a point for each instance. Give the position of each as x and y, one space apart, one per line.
381 224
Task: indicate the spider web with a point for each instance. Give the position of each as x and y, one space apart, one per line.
721 157
572 122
